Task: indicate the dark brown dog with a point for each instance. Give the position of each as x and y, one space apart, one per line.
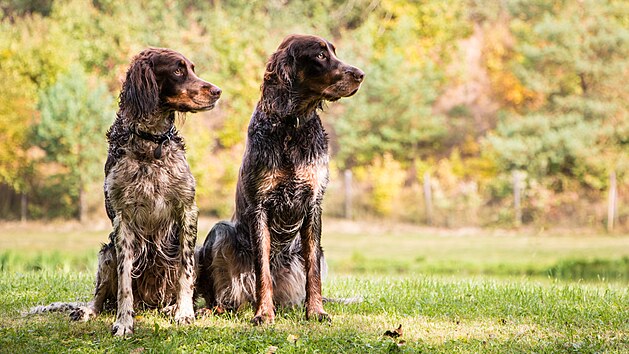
270 252
149 194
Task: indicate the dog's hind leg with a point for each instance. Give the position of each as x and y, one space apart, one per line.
205 282
225 280
106 284
184 313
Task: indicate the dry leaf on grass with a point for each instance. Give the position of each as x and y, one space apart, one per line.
271 349
395 333
292 339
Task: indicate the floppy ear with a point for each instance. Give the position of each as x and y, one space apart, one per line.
281 67
139 97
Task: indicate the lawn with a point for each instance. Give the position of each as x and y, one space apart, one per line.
452 291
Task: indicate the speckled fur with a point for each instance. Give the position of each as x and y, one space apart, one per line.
270 253
149 260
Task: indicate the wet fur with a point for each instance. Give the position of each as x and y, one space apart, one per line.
149 260
270 252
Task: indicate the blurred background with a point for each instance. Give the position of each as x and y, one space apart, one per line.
473 113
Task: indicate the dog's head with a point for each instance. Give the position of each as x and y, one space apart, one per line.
307 65
162 80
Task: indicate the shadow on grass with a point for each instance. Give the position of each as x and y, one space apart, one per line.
14 261
573 269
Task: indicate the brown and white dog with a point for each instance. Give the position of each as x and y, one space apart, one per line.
149 195
270 253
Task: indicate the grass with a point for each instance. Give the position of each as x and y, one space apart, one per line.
449 291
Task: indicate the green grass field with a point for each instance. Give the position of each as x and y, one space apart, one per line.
452 291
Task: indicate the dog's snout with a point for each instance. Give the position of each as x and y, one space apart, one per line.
214 90
356 73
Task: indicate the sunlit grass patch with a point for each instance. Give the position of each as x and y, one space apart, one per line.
472 293
438 314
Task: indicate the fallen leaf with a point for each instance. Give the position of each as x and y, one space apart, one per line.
271 349
395 333
292 339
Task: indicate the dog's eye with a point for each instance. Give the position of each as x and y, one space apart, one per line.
321 56
178 72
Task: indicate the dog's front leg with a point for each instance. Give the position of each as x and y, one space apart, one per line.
311 252
261 237
185 311
124 252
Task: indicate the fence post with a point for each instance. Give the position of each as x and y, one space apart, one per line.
612 202
517 190
347 177
428 198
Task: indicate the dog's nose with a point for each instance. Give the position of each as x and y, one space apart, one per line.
357 74
214 90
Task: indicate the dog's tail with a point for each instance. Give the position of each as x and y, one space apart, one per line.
54 307
343 300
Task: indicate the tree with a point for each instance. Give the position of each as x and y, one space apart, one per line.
403 47
75 114
574 56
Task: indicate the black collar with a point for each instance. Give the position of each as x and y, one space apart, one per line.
158 139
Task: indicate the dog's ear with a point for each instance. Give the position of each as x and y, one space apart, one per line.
281 67
139 97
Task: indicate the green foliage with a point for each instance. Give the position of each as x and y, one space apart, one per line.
16 8
17 110
386 177
401 47
466 90
74 113
574 55
566 120
545 145
591 269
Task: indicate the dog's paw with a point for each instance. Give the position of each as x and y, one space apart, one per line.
169 310
184 320
320 316
121 330
82 314
184 317
258 320
263 318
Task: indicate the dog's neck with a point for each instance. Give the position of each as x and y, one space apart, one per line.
287 106
160 123
159 130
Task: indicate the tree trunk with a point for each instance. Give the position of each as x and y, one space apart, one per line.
428 198
82 205
348 194
23 206
517 197
612 202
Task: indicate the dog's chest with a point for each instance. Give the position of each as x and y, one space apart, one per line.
151 190
289 194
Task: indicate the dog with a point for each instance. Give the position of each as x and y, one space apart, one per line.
270 252
149 195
